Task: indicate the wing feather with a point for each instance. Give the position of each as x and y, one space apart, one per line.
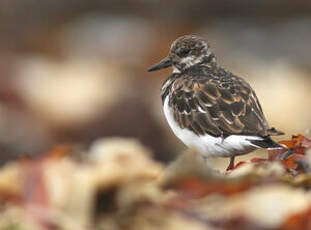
215 102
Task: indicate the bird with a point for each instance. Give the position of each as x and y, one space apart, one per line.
208 107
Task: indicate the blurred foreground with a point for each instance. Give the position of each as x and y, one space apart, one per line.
115 184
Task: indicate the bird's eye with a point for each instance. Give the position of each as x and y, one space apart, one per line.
184 53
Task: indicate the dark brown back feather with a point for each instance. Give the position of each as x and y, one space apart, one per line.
210 100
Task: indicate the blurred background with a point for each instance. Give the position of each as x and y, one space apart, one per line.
73 71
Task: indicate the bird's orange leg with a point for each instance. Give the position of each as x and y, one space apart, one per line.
231 164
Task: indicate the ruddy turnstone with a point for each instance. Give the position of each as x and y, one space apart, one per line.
208 107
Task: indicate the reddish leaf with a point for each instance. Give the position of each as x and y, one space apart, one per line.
59 152
301 221
199 188
295 141
257 160
34 190
34 194
9 196
276 154
291 163
239 164
297 145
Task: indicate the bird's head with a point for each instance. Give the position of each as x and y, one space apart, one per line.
186 52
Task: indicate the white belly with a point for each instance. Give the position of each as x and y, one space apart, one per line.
208 145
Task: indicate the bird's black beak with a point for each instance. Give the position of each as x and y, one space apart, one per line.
166 62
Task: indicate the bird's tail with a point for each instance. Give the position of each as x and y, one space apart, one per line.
274 132
266 143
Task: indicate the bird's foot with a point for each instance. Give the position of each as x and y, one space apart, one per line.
231 164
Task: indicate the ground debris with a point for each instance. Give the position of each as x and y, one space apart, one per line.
117 185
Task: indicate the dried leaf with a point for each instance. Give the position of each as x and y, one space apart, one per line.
301 221
258 160
293 156
199 188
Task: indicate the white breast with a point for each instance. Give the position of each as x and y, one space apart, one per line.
208 145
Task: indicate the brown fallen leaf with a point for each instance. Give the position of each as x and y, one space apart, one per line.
301 221
197 187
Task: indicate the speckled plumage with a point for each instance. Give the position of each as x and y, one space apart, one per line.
206 99
210 100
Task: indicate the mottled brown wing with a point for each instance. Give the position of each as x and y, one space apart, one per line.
217 106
